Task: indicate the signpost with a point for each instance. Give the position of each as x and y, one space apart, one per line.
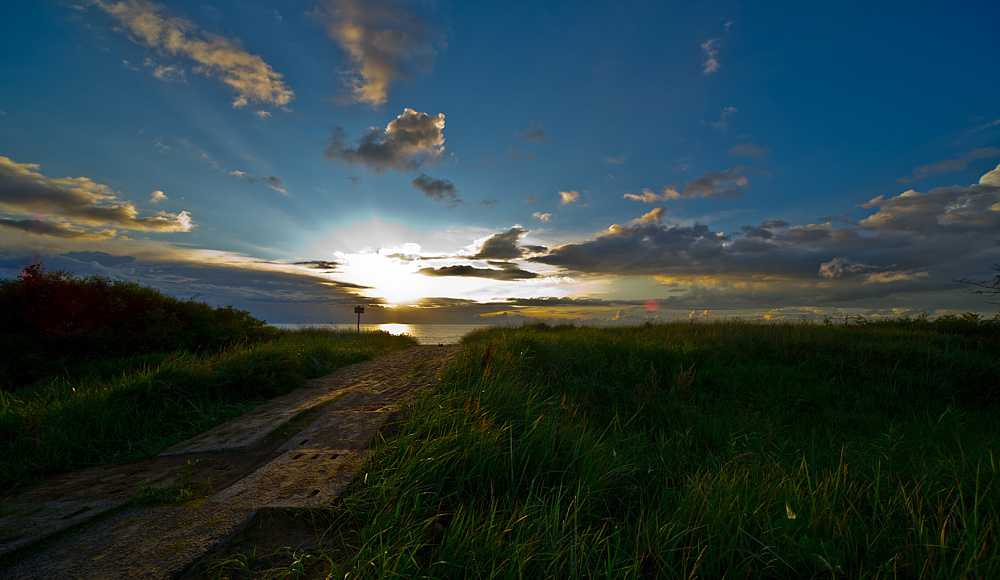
359 310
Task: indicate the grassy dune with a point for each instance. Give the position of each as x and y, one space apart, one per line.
864 450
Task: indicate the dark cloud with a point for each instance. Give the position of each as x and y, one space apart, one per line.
355 180
946 209
102 258
951 165
436 189
518 155
43 228
319 264
275 183
383 42
533 134
508 272
487 162
25 191
407 143
489 202
505 246
717 184
750 150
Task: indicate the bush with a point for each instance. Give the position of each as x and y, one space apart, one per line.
49 319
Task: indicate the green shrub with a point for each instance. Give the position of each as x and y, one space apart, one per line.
50 319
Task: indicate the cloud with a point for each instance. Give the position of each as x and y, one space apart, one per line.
943 210
568 197
649 196
506 272
252 79
55 230
263 114
505 246
843 266
951 165
487 162
542 216
157 196
991 178
615 160
717 184
273 182
518 155
723 123
711 49
533 134
437 189
652 218
408 143
80 200
166 73
750 150
489 202
383 43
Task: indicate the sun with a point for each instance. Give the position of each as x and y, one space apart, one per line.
390 276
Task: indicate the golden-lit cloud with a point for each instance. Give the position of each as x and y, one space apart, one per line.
214 56
70 203
650 196
652 218
542 216
409 142
157 196
568 197
383 42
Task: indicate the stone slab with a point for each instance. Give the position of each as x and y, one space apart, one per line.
140 543
301 478
244 432
26 523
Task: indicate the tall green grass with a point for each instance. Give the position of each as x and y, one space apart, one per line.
96 370
730 449
130 408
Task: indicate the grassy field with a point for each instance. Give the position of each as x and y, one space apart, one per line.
128 408
730 449
97 370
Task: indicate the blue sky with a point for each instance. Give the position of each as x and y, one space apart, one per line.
485 162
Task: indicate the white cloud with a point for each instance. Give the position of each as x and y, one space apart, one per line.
711 49
542 216
215 56
157 196
723 123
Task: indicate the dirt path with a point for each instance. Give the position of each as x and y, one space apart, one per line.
296 451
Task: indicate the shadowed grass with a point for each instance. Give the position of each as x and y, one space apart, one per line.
735 449
129 408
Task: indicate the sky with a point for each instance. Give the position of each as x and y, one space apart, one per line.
499 162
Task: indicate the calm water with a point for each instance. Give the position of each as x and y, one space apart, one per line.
423 333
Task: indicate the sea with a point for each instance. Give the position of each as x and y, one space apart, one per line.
422 333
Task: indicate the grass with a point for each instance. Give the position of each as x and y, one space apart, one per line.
128 408
730 449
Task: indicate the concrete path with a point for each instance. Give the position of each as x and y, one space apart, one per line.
297 451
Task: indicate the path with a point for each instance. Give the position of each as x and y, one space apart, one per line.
296 451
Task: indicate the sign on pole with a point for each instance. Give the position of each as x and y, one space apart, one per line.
359 310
